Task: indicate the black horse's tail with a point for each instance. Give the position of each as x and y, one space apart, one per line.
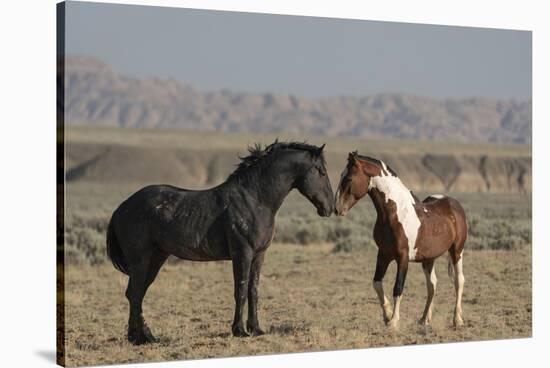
114 251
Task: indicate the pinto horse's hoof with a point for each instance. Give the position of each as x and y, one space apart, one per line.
392 324
458 322
424 321
387 313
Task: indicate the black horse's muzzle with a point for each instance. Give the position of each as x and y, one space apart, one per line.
324 211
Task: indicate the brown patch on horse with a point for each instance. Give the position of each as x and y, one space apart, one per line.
442 225
388 233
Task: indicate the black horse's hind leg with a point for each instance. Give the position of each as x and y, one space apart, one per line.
252 325
141 276
157 260
242 259
137 285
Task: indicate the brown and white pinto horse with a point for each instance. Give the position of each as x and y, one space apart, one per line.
406 230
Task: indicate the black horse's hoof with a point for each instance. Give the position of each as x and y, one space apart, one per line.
148 334
255 330
239 332
138 339
141 336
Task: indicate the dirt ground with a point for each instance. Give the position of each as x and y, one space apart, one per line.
310 300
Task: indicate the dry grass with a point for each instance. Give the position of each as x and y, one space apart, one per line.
310 300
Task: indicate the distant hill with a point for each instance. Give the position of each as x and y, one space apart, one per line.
201 160
99 95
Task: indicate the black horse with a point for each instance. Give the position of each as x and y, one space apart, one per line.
233 221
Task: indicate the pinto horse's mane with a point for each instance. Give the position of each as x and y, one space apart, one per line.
259 156
377 162
381 165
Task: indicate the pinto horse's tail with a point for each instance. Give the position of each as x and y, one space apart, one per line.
114 251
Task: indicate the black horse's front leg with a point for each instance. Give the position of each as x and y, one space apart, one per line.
402 267
242 260
252 325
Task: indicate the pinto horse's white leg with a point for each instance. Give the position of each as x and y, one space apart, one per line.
382 263
395 316
431 284
402 267
459 287
384 302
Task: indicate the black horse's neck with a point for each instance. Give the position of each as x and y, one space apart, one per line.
270 183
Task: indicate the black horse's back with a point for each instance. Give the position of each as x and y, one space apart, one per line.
185 223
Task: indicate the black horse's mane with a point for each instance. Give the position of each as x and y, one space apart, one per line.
259 155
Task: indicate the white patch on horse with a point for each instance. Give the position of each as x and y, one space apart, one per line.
394 189
385 168
437 196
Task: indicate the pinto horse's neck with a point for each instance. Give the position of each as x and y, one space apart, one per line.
380 203
386 188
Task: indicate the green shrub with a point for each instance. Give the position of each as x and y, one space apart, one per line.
353 243
85 244
498 234
511 242
494 222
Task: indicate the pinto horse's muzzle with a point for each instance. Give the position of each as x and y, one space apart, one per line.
340 207
341 212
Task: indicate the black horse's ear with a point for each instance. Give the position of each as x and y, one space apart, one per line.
320 149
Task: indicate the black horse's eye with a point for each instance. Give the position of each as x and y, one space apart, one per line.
322 172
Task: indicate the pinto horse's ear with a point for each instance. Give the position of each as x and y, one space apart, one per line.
352 157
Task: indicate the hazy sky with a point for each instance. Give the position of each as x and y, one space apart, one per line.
301 55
